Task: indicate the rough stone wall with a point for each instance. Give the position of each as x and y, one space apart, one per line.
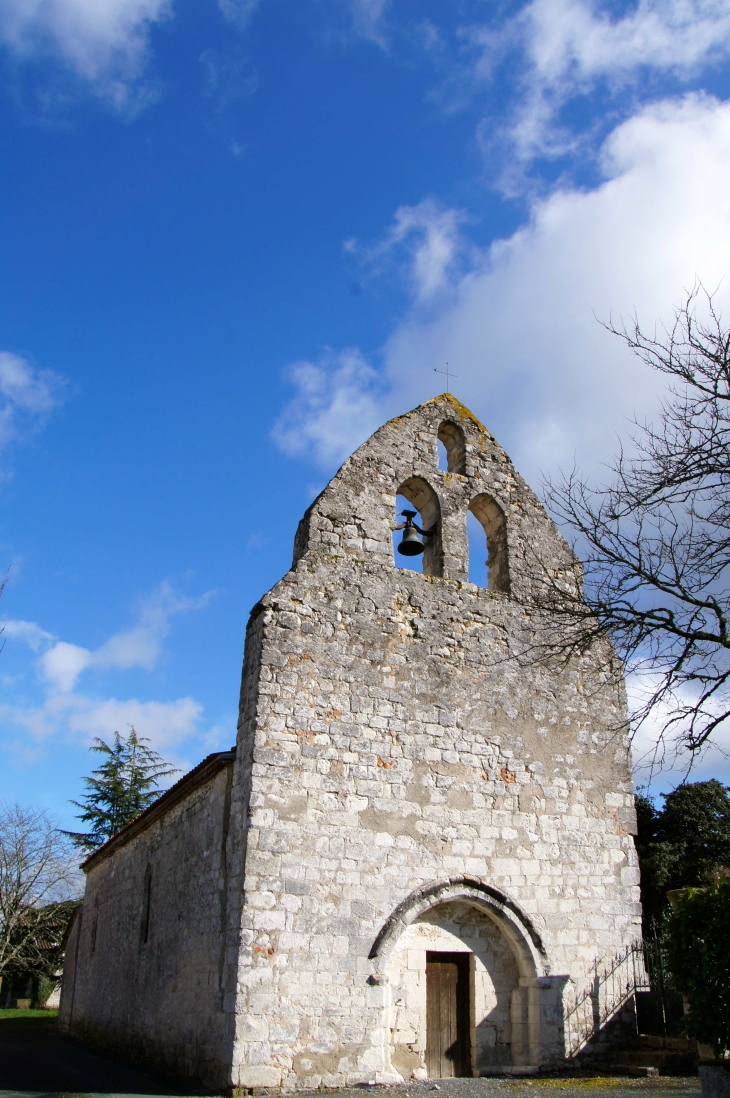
159 999
393 743
397 744
405 773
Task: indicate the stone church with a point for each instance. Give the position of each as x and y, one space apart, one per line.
419 853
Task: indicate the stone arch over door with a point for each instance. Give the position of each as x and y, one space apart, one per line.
508 966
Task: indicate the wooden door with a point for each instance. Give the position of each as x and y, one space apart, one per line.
448 1052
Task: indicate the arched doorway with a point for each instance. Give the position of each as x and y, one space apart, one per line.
461 971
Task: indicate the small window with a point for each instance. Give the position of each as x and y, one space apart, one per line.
490 546
443 456
94 924
478 551
146 905
453 439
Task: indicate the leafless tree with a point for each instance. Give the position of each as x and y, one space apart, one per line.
655 541
38 872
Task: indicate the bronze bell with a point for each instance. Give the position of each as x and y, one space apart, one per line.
410 544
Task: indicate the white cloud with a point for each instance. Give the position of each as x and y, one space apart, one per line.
335 409
81 716
27 397
104 42
239 12
338 401
659 760
29 633
432 241
165 724
575 41
567 48
63 664
139 646
228 77
367 18
520 328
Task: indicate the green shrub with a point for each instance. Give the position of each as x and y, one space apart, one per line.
43 988
698 954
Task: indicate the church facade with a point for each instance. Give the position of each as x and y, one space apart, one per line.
419 852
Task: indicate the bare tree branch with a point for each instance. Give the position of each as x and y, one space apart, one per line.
37 872
655 541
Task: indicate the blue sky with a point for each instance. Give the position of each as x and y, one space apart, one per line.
237 236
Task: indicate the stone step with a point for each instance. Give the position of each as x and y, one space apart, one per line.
672 1044
660 1060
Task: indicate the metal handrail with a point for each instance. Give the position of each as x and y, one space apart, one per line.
614 982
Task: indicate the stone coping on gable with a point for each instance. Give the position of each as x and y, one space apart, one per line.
196 777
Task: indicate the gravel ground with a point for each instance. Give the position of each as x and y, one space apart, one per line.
588 1086
37 1062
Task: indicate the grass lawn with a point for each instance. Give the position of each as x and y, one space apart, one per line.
28 1015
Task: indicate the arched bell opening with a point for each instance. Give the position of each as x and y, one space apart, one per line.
490 546
452 438
417 495
411 561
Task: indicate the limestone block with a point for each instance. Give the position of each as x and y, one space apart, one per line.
260 1075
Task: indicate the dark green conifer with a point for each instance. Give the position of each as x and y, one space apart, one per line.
123 786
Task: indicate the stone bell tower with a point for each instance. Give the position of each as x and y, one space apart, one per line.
430 839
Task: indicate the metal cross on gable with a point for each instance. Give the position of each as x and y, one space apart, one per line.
448 374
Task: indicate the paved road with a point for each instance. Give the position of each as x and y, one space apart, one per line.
37 1062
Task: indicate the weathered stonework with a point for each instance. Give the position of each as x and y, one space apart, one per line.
405 780
143 961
